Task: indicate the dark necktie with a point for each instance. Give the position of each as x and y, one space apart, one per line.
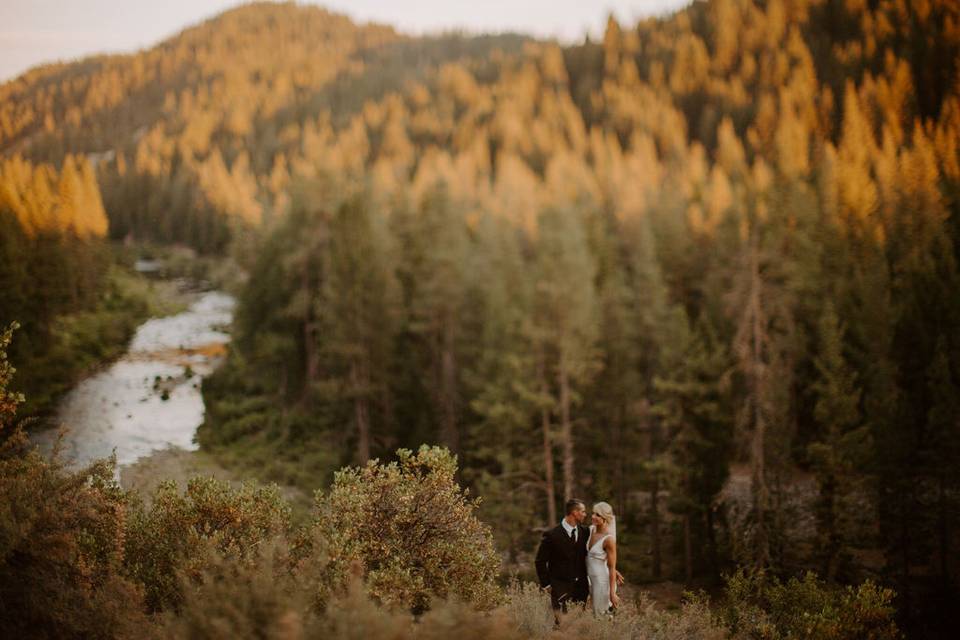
573 534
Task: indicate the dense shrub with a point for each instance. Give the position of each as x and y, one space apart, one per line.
759 605
262 599
413 530
61 540
234 597
178 532
243 426
61 550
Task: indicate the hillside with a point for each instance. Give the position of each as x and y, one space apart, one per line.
705 269
213 122
208 123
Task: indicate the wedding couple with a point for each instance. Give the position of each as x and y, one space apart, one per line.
575 561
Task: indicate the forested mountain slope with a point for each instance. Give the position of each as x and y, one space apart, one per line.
724 239
207 124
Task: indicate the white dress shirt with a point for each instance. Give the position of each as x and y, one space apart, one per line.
569 527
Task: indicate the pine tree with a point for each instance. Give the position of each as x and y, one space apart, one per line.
693 400
503 383
93 218
433 260
70 198
841 442
762 320
566 321
358 309
660 333
944 424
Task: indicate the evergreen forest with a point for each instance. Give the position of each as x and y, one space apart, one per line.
704 269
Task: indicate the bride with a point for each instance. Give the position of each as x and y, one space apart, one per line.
602 559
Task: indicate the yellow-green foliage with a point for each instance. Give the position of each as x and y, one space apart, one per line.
759 605
178 532
263 600
61 539
245 601
413 530
238 598
61 550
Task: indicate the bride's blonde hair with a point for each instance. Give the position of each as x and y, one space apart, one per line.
604 510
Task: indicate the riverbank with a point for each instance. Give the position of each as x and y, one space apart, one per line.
149 398
84 342
128 372
81 343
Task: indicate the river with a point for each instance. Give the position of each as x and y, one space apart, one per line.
150 398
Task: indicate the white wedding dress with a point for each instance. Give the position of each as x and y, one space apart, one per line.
598 573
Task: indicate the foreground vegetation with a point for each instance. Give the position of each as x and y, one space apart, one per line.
705 268
395 551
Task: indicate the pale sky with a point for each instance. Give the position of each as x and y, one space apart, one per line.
37 31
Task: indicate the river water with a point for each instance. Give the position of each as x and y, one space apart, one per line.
150 398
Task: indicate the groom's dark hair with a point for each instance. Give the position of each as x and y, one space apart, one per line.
573 504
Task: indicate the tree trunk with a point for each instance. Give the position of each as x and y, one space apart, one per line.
386 401
758 443
687 549
566 431
905 587
311 354
943 527
655 527
712 542
619 485
448 394
760 492
775 528
548 468
547 451
361 413
312 360
828 495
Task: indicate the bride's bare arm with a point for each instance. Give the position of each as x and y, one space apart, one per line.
610 546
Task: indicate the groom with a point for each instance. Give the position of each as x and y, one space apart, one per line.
562 558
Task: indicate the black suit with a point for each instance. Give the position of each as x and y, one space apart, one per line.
562 565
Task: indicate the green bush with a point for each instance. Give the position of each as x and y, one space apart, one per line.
234 597
9 400
61 540
413 531
61 550
178 532
263 599
758 605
